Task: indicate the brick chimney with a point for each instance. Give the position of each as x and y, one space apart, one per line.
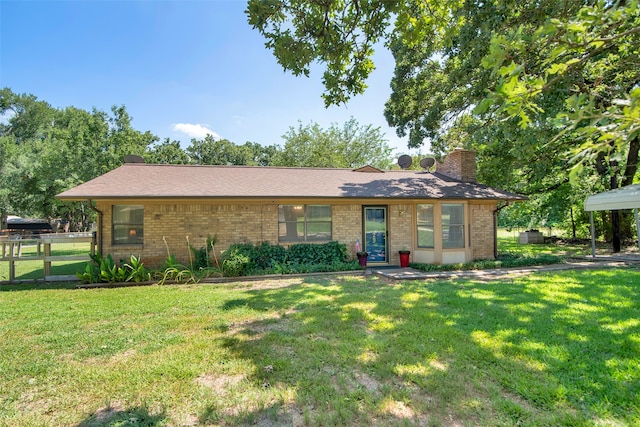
460 164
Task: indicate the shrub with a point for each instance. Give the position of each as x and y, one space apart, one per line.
200 257
136 270
325 253
504 261
235 262
104 269
264 258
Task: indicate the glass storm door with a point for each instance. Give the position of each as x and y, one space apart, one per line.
375 233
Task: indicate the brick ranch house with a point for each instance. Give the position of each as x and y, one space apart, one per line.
441 217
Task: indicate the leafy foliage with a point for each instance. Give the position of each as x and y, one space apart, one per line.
546 92
264 258
104 269
213 151
349 146
47 150
503 261
326 253
235 262
200 257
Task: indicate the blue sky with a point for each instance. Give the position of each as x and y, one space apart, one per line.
181 68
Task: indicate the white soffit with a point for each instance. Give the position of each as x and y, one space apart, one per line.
621 198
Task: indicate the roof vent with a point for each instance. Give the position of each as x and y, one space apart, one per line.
132 158
368 168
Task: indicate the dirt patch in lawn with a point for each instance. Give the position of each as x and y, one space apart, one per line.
221 384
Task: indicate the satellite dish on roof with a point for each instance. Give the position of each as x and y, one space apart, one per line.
404 161
132 158
427 162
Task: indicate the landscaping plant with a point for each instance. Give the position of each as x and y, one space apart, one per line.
264 258
104 270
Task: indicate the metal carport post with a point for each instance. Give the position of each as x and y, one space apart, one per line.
627 197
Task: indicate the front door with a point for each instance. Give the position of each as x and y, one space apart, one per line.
375 233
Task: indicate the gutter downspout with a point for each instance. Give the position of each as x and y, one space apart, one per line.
99 212
495 229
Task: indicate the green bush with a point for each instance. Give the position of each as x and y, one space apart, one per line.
264 258
326 253
504 261
235 262
200 258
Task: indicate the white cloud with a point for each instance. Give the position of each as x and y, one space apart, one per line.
194 130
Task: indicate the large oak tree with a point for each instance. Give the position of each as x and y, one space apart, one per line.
539 88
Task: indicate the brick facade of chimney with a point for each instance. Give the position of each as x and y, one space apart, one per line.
459 164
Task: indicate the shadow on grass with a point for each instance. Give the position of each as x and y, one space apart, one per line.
556 349
36 286
112 417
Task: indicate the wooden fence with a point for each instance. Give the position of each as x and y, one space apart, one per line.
12 252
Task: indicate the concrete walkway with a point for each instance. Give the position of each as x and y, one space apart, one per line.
578 263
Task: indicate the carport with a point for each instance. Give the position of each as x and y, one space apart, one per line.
621 198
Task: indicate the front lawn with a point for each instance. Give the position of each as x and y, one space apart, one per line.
547 349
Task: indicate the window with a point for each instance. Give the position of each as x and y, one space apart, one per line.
128 226
304 223
425 226
453 225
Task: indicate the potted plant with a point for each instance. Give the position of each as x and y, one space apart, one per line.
362 255
362 258
404 258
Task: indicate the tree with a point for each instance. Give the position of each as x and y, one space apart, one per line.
212 151
167 152
255 154
50 150
8 178
351 146
559 78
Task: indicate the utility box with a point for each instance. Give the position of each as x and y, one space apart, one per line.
531 236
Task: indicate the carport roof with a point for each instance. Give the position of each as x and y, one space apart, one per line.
621 198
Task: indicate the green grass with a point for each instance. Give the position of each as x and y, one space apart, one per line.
29 269
547 349
512 246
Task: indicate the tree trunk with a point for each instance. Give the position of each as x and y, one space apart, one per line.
615 231
632 162
573 225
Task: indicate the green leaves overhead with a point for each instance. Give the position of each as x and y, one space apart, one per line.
591 57
544 87
338 34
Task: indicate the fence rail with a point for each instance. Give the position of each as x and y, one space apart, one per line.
12 252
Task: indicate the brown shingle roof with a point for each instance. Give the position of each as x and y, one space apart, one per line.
181 181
